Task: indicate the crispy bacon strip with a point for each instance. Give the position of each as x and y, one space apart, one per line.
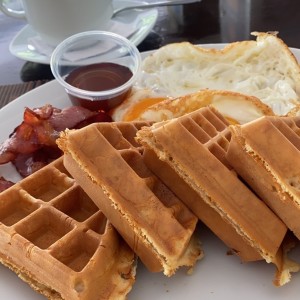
5 184
32 144
27 164
41 127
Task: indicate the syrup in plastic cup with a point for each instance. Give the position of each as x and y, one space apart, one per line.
96 68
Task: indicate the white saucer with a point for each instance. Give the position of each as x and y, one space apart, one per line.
143 22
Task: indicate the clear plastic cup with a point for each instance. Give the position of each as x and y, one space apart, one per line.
96 68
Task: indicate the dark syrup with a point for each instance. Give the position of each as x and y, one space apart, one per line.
99 77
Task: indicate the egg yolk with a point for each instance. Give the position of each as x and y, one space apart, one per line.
138 108
231 120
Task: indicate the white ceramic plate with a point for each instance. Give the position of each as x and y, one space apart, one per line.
142 22
216 277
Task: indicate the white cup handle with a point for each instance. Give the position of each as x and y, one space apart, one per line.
20 14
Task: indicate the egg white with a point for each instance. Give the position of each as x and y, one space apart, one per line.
264 68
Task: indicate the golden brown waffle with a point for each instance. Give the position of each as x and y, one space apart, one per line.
194 146
201 209
105 160
58 241
266 153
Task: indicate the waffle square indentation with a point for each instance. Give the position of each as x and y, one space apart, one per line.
97 222
121 135
76 204
44 227
51 184
77 250
14 207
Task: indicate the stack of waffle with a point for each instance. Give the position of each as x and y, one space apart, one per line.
152 183
194 146
58 240
199 148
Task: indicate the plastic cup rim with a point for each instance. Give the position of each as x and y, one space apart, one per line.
94 95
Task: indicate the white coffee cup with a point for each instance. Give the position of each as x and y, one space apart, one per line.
55 20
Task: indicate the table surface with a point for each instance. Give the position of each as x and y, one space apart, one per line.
209 21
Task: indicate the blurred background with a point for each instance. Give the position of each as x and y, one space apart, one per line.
208 21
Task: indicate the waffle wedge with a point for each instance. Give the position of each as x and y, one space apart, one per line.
106 162
58 241
194 146
266 153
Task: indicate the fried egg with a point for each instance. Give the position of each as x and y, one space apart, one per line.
138 101
265 69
